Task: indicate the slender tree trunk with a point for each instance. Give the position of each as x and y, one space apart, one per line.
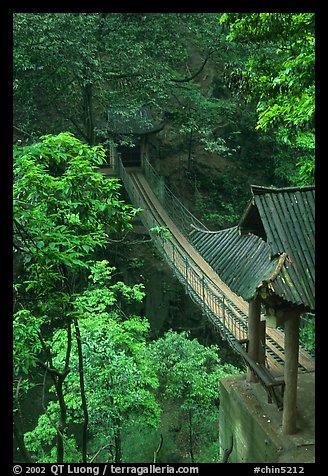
118 442
83 396
62 425
58 379
158 449
191 437
19 436
88 113
62 420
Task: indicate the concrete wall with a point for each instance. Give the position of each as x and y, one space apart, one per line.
242 416
256 425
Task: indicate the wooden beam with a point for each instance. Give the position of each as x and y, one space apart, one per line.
262 342
289 426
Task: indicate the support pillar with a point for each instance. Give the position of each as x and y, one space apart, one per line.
262 342
291 372
113 159
254 321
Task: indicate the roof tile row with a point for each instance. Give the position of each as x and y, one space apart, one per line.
246 261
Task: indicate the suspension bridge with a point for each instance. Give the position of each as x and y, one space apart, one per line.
227 312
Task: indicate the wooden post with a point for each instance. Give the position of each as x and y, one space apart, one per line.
254 320
187 282
223 310
262 342
113 159
291 372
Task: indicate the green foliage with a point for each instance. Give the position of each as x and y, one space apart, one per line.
307 335
63 208
136 263
202 116
280 75
220 200
88 62
140 444
41 441
119 378
26 344
189 371
64 212
161 231
102 295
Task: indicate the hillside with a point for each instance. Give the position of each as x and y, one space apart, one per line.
215 187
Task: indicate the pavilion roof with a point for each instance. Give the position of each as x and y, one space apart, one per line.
273 245
136 121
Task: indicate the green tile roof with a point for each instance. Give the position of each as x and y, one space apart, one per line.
273 244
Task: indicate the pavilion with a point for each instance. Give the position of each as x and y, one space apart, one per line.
268 260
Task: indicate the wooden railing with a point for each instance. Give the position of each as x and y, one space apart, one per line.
177 211
215 304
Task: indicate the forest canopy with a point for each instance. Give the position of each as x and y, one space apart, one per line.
236 89
280 73
74 322
69 68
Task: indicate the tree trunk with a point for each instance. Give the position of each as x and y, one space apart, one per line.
19 436
83 396
118 442
191 437
88 113
61 399
158 449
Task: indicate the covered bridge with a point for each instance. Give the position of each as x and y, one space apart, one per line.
136 123
268 260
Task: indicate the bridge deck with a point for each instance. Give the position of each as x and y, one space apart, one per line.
191 268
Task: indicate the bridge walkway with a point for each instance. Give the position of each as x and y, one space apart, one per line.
227 311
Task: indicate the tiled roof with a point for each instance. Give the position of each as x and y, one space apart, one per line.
241 261
273 244
123 121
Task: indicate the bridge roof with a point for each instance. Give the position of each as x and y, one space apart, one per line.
135 121
273 245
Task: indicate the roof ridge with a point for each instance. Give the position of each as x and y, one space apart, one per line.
196 228
260 189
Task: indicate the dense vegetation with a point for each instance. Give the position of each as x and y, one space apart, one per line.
73 320
240 87
280 75
70 68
